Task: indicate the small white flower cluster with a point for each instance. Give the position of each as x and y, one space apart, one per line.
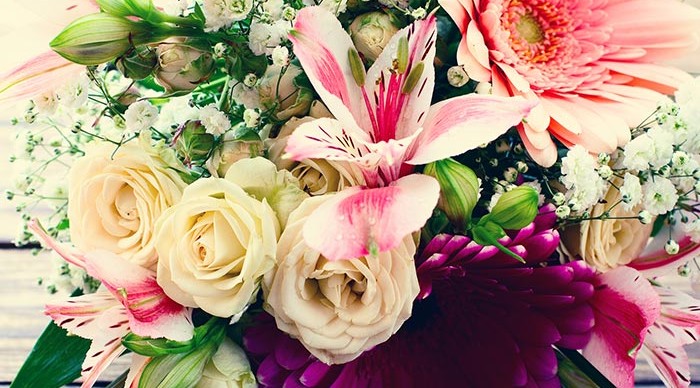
139 117
222 13
583 177
70 96
215 121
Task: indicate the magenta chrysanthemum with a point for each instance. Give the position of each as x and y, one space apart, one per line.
591 64
483 318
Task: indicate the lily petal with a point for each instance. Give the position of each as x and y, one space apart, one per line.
659 263
463 123
357 222
398 112
151 312
322 47
625 306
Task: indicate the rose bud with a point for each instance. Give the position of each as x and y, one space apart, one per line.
371 32
280 90
459 190
182 66
193 142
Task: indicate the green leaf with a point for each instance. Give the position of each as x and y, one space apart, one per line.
55 360
575 371
154 347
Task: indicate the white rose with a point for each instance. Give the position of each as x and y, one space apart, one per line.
115 197
610 243
371 32
214 246
338 309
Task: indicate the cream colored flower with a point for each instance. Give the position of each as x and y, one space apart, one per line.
316 176
371 32
231 151
610 243
278 90
338 309
228 368
115 197
214 246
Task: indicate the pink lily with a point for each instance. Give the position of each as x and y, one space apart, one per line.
384 124
625 306
48 70
678 325
129 300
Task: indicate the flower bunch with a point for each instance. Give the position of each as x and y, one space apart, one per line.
365 193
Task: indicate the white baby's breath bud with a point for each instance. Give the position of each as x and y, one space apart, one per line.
644 217
511 174
457 76
574 204
419 13
559 199
680 159
289 13
220 50
603 158
521 167
605 172
250 79
251 117
483 88
671 247
684 270
502 146
280 56
562 212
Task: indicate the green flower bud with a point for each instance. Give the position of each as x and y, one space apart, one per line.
516 208
459 190
184 369
137 63
229 367
194 143
140 8
97 38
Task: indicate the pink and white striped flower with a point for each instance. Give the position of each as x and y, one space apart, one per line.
384 124
129 300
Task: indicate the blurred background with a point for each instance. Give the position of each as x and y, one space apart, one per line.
25 31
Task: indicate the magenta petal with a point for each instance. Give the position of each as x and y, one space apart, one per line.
270 374
541 362
292 356
314 373
357 221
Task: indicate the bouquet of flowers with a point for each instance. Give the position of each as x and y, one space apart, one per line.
364 193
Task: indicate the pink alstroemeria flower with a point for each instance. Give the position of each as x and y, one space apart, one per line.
129 300
384 123
591 64
47 70
678 325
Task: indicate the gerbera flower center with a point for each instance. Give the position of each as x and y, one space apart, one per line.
538 28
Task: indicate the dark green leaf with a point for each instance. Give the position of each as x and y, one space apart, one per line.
575 371
55 360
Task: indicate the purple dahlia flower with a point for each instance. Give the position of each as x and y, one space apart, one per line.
482 319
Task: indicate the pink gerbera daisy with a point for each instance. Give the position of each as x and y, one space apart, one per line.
589 62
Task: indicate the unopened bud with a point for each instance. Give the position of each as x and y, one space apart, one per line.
516 208
371 32
459 190
182 66
193 142
98 38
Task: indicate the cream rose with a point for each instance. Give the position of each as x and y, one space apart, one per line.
115 197
214 246
279 91
610 243
316 176
228 368
338 309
